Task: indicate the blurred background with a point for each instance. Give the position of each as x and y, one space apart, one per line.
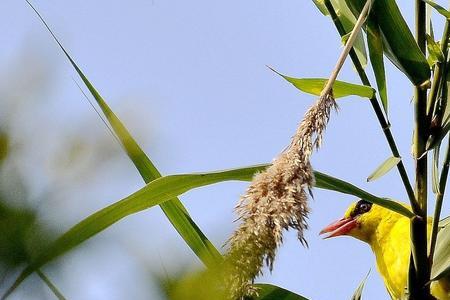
189 79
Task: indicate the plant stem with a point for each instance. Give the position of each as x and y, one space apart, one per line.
438 205
376 107
419 225
440 75
50 285
348 46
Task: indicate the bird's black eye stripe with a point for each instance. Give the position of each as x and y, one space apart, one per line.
362 206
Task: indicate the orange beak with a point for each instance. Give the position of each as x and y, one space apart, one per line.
340 227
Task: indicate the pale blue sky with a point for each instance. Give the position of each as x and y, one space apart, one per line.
189 79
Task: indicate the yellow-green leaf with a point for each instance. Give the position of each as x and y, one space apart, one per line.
315 86
385 167
434 50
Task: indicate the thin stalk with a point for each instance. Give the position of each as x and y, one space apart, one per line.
442 183
376 107
348 46
438 205
419 223
50 285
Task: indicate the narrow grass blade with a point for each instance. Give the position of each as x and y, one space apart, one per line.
174 209
273 292
441 259
438 8
375 45
50 285
357 295
156 192
435 170
328 182
340 88
385 167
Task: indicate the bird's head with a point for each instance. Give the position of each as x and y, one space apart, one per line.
360 221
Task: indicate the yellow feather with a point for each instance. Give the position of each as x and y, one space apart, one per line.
388 234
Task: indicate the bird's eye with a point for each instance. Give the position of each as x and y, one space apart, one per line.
361 207
364 207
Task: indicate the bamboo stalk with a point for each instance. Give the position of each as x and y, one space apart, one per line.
419 226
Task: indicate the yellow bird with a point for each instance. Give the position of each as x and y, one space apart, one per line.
388 234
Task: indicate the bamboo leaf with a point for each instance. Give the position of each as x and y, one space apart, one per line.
273 292
315 86
375 44
435 170
441 259
174 209
357 295
399 44
328 182
385 167
434 50
438 8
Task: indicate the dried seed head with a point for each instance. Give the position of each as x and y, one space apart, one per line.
276 200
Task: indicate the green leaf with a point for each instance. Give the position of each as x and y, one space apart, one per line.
375 44
435 170
273 292
441 259
385 167
357 295
438 8
156 192
434 50
399 44
315 86
327 182
174 209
